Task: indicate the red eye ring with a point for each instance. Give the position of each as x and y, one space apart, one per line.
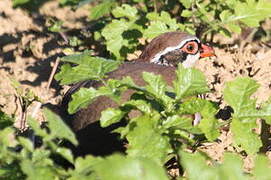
191 47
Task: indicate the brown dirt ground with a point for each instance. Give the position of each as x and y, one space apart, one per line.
19 32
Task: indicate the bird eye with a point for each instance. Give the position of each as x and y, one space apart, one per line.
191 47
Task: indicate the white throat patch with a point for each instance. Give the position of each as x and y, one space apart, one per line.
191 58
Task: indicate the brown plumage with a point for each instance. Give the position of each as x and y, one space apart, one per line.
92 138
167 49
93 112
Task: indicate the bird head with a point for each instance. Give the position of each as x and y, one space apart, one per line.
173 48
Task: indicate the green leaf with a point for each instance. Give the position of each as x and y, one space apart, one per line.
86 96
163 17
69 2
178 122
226 16
237 94
262 165
125 11
232 168
58 128
34 124
208 123
44 172
111 116
122 35
207 110
78 58
145 140
101 9
229 20
141 105
89 67
6 135
252 12
84 167
26 143
74 41
192 105
118 167
245 137
56 26
42 156
189 82
186 13
66 153
186 3
16 3
196 167
129 82
82 164
160 24
154 29
82 99
11 171
235 28
5 120
157 87
113 36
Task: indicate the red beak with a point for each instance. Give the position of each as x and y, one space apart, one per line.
206 51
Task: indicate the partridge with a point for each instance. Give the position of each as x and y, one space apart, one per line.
161 56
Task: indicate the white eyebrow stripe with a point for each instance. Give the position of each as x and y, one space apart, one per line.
168 49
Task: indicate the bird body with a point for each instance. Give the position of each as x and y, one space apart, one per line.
92 113
161 56
92 138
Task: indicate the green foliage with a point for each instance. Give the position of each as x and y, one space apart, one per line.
262 165
162 120
122 25
160 23
122 33
210 17
29 5
231 168
111 116
29 162
84 70
19 164
161 130
237 94
55 26
163 116
58 128
101 9
19 155
74 2
120 167
189 82
5 120
19 2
